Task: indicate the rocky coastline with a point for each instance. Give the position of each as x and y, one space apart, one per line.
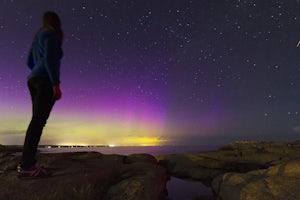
85 175
243 170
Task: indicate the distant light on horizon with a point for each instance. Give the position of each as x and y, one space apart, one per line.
123 141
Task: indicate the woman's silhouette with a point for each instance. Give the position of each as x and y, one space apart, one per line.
43 83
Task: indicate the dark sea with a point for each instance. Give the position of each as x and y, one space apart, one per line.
127 150
178 189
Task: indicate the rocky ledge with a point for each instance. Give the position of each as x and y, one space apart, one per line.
85 175
245 170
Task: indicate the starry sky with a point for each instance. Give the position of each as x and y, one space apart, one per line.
158 72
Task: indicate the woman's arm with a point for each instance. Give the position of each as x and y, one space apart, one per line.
30 61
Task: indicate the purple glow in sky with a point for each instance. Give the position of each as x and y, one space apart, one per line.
140 72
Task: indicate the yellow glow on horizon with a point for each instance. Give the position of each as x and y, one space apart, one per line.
143 141
122 141
73 130
125 141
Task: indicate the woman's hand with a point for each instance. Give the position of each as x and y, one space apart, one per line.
56 92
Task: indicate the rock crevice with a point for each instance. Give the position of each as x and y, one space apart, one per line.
245 170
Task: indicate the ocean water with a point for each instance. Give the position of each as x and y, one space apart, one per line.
127 150
178 189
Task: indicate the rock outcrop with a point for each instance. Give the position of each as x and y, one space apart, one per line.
239 171
278 182
85 175
246 170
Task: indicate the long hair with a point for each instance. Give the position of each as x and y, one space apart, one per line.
52 21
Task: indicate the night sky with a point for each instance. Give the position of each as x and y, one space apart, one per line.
156 72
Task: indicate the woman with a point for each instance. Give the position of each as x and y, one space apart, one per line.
43 83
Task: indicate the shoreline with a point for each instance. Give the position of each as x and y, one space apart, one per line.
124 150
238 169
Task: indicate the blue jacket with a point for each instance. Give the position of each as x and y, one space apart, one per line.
44 56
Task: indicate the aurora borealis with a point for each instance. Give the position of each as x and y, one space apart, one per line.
140 72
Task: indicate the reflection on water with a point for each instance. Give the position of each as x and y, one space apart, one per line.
179 189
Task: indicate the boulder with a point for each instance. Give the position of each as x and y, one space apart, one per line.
139 181
141 158
275 183
190 166
142 178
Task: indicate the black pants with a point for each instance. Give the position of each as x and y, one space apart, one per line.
41 92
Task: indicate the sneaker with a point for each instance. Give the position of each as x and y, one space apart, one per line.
19 168
32 173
